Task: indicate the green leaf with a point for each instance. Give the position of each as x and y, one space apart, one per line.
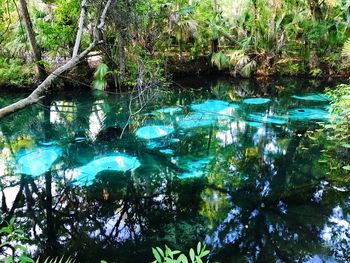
103 261
220 60
6 230
346 145
25 259
170 260
182 258
199 248
347 167
167 251
156 255
192 255
161 251
199 260
204 253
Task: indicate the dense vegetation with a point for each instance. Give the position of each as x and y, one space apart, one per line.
130 49
245 37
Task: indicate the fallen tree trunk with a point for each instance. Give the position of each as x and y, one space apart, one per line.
42 89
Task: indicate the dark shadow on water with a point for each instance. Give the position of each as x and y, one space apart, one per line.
243 178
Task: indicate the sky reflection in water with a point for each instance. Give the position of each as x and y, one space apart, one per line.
229 165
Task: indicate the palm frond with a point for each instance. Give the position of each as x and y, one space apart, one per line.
248 69
220 60
235 56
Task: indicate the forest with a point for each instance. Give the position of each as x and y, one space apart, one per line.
174 131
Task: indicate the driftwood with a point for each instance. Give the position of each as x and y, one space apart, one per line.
76 58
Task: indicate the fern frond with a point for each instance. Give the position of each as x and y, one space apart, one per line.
346 49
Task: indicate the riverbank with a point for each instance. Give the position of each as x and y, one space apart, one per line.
178 67
265 67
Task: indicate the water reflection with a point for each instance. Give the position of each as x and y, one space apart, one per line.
194 165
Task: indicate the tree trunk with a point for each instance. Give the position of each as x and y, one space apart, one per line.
39 92
121 50
36 52
214 46
180 43
316 10
215 42
42 89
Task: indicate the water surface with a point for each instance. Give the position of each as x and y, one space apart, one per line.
222 162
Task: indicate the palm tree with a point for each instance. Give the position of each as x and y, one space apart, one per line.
182 25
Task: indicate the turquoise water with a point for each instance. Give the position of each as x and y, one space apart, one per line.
225 163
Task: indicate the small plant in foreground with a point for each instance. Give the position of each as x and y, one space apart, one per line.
176 256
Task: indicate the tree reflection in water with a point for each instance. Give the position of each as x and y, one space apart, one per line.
254 193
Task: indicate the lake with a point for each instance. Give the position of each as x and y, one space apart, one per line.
228 163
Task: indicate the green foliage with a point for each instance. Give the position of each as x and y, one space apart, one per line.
19 253
346 49
14 71
266 32
248 69
56 29
220 60
12 238
100 81
176 256
236 60
337 138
